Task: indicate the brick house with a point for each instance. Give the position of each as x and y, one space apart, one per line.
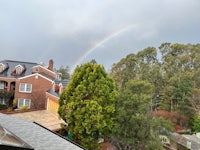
53 94
26 82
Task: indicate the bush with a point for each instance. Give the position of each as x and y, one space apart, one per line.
2 106
23 108
195 123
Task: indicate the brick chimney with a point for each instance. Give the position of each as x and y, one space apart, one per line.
50 67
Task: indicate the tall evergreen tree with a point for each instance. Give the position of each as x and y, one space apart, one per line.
135 127
87 105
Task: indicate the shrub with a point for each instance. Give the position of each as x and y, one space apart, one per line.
23 108
2 106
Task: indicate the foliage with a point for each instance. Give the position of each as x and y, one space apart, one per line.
195 123
64 71
6 95
176 118
141 66
2 106
135 127
15 102
175 76
23 108
87 105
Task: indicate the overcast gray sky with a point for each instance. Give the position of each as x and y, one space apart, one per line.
72 32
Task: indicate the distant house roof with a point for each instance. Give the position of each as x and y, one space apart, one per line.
52 92
63 82
36 136
11 67
44 117
189 141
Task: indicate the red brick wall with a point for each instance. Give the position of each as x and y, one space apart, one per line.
9 80
47 72
39 86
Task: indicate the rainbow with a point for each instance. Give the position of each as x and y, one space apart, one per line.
101 42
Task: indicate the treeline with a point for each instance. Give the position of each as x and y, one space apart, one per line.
174 74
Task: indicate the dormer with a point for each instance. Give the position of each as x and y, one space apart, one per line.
19 69
36 69
3 67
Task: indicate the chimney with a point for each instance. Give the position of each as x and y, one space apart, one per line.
50 67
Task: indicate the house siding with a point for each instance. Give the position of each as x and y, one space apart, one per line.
52 104
45 71
39 86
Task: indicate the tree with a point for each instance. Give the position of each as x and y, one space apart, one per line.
135 127
65 72
195 123
87 105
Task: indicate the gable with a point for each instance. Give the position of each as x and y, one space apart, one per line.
3 67
36 76
44 71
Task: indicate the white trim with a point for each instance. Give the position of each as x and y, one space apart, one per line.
47 103
19 66
24 99
1 64
35 75
5 78
25 87
60 84
3 101
2 84
44 68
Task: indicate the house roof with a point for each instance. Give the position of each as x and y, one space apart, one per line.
186 140
8 139
63 82
36 136
46 118
52 92
11 67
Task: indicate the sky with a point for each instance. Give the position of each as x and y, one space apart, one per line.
72 32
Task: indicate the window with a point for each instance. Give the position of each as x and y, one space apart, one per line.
2 101
1 85
2 67
24 102
19 70
59 76
25 87
36 69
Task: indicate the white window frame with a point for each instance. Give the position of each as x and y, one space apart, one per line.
26 88
24 102
59 76
2 101
2 85
1 68
36 69
19 69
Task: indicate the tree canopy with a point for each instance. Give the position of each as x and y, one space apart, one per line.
174 73
135 127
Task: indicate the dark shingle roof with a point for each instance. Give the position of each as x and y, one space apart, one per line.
11 66
63 82
189 141
52 92
36 136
